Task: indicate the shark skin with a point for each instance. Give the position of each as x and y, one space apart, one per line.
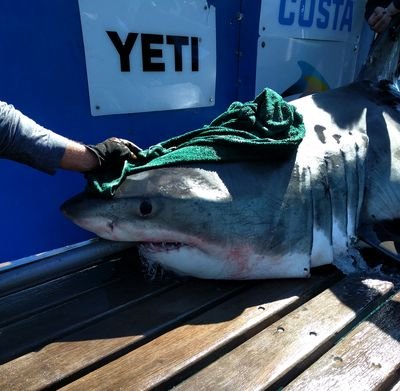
274 218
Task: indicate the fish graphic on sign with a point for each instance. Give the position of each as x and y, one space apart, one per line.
310 81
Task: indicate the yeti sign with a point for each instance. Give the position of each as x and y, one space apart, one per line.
148 56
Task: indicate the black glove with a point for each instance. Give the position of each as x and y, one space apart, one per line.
113 152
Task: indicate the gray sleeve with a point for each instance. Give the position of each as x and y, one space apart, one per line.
23 140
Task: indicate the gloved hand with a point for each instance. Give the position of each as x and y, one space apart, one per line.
113 152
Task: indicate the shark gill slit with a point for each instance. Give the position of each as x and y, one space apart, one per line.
312 211
347 194
358 167
329 201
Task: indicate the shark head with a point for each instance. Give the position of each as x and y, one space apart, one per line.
202 222
165 211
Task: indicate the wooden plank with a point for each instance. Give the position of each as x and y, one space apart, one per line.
219 329
79 352
367 359
284 348
35 331
29 301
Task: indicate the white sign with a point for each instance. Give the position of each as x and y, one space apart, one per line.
144 55
335 20
308 46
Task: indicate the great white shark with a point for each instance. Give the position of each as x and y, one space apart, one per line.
267 219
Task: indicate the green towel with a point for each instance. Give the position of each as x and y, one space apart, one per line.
260 129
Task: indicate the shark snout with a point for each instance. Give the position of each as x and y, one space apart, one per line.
74 206
84 210
84 205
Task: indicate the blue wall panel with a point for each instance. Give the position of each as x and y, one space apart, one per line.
248 41
43 73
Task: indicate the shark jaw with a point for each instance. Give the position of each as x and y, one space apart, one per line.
184 260
189 255
196 255
174 251
235 263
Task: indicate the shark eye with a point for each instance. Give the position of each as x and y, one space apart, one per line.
145 208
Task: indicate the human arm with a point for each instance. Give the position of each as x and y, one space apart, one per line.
380 17
23 140
77 157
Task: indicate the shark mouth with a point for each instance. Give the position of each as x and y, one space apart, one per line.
185 256
159 258
155 247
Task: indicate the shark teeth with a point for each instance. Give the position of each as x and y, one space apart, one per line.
162 246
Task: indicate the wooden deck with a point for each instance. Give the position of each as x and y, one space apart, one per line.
109 328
